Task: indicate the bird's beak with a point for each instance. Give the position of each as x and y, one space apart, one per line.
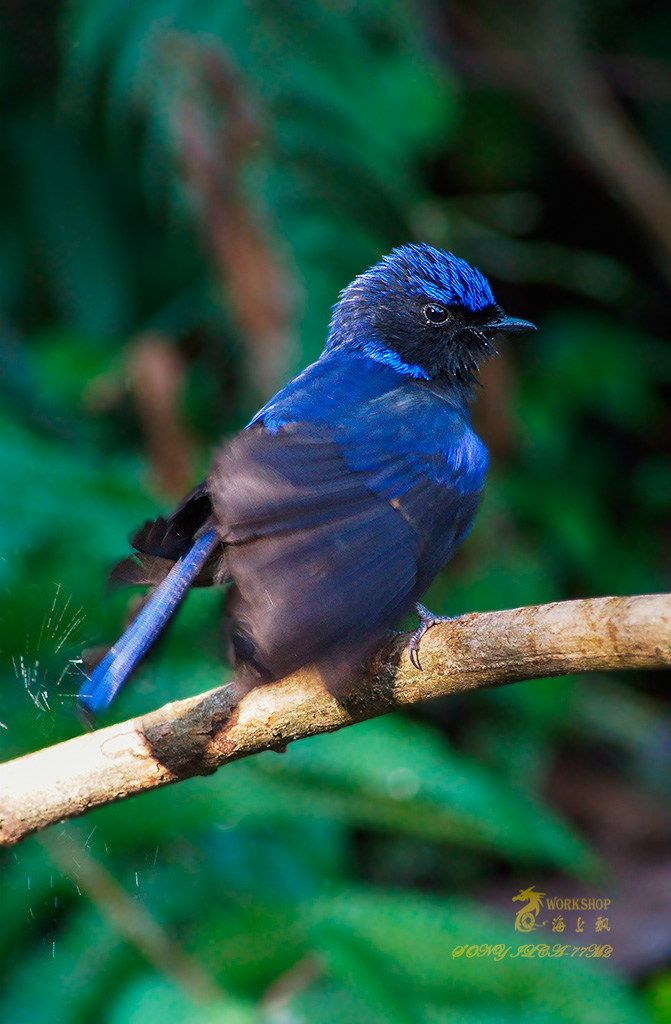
510 325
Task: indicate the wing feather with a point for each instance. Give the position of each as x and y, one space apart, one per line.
323 563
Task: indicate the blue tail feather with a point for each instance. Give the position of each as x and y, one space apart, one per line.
109 675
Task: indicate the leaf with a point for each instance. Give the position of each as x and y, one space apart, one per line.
69 208
397 774
152 998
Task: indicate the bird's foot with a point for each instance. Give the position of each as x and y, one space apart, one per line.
426 620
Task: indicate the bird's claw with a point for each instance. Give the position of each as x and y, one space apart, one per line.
426 620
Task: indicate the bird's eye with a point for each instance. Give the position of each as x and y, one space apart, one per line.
435 314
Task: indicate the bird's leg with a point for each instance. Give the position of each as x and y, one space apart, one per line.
426 620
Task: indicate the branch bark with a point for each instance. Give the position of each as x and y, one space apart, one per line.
198 735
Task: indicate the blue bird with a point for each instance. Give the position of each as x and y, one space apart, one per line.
334 509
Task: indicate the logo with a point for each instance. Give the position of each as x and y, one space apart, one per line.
578 915
526 918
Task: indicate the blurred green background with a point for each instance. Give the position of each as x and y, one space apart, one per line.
186 185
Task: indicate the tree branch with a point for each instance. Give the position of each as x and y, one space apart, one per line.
198 735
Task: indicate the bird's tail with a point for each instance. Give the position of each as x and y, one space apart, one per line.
109 675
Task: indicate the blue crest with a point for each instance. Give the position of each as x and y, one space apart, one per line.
440 275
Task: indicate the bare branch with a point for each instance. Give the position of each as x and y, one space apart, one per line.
198 735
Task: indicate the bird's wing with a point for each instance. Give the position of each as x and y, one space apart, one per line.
327 534
321 564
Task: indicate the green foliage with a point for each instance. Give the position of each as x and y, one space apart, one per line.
332 883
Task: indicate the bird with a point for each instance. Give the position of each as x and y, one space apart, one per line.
332 511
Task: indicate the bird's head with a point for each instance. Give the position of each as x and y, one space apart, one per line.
423 311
